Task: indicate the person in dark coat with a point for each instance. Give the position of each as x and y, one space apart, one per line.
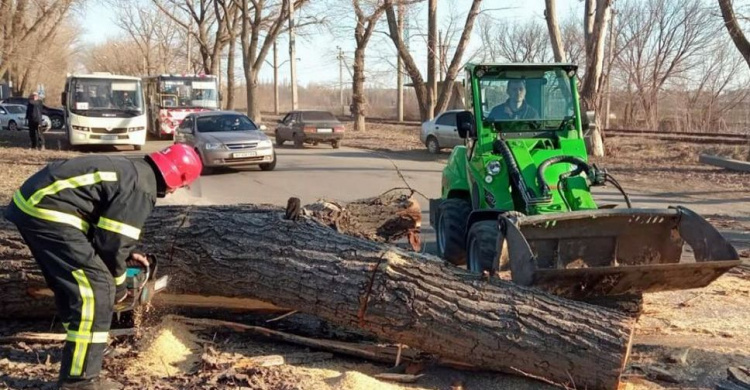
34 118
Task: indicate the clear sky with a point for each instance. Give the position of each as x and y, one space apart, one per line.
317 52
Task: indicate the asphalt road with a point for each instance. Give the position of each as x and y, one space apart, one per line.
348 174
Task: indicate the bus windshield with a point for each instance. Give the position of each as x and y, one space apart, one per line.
188 92
90 94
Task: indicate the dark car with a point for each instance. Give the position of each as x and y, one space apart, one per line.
310 127
56 115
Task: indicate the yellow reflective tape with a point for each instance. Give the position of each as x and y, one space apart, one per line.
49 215
121 279
73 182
119 227
87 320
99 337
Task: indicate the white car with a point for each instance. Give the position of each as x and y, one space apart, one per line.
13 118
441 132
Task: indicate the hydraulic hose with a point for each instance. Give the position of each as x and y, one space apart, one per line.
581 166
501 147
617 185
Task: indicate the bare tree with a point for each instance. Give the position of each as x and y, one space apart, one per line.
233 17
261 18
734 29
210 27
22 20
662 41
517 42
420 88
368 14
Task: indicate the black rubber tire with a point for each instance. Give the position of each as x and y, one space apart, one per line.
336 144
299 141
279 140
137 147
12 125
481 247
432 145
450 231
56 121
269 166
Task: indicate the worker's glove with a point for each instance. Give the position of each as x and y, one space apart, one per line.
137 259
121 293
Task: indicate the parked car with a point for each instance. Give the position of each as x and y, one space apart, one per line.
310 127
56 115
227 138
441 132
12 117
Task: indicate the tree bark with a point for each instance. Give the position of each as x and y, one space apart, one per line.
431 57
251 251
594 64
550 14
734 29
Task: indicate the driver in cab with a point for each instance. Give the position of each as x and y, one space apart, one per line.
515 107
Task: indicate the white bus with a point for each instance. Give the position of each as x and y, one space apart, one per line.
104 109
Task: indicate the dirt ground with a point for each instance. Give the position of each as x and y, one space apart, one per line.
684 339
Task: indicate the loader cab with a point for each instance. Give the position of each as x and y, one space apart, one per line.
534 100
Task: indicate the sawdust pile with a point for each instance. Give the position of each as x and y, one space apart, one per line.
356 380
170 350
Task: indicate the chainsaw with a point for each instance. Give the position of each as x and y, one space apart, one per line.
142 285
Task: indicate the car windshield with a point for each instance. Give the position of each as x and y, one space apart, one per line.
526 96
313 116
219 123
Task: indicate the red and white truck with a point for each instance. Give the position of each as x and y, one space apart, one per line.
171 97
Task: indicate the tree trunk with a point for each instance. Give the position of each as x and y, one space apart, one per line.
550 14
359 100
594 64
734 29
253 108
230 72
431 57
251 251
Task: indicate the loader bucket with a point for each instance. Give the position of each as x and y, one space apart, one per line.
615 252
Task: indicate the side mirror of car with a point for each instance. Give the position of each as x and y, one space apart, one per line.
465 124
280 121
263 127
64 99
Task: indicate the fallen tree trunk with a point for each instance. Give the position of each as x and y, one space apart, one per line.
249 251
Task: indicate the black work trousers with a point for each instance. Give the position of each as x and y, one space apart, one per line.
36 135
84 291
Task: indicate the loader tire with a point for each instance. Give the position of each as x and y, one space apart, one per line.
631 304
451 230
481 247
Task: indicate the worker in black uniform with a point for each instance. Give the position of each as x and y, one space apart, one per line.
81 219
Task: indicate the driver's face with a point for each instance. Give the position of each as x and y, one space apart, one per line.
516 91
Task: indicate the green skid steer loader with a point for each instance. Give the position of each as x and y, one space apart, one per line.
516 197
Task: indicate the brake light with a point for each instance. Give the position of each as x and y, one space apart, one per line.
338 129
310 129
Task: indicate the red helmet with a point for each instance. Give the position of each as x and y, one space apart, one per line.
179 165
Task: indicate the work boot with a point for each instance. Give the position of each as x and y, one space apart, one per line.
89 384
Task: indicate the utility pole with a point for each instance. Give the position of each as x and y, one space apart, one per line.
609 67
341 79
400 67
440 53
292 54
275 79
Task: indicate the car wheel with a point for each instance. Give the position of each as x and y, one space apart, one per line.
279 140
336 144
269 166
57 122
299 141
12 126
432 145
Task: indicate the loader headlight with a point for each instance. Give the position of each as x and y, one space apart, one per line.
494 168
488 179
